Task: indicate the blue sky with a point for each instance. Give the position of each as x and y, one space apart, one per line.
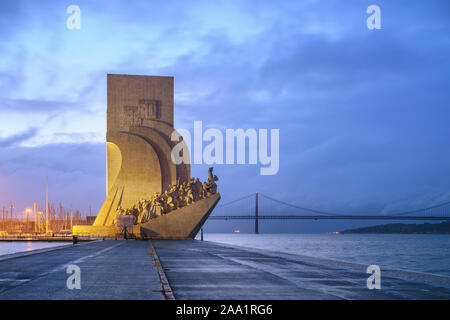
363 114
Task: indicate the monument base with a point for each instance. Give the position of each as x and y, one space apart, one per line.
95 231
183 223
103 231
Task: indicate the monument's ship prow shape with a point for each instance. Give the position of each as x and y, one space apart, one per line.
183 223
148 193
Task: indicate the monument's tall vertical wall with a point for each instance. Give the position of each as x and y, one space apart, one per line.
140 119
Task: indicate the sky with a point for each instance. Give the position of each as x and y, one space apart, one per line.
363 114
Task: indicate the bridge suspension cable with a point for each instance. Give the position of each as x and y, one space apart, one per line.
442 205
234 201
330 215
422 210
302 208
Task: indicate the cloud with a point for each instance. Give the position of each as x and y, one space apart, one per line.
18 138
362 114
37 106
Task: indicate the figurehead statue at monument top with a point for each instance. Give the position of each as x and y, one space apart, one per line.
142 180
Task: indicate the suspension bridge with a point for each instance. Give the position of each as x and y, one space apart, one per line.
285 211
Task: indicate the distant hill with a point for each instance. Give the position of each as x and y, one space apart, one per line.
408 228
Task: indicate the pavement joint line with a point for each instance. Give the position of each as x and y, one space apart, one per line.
81 259
275 274
253 266
405 275
59 268
167 290
43 250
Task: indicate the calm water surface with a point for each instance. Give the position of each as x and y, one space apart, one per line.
7 247
416 252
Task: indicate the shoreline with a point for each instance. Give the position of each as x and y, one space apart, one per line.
191 267
43 238
19 254
403 274
418 253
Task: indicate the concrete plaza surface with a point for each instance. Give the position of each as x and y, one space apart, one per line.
199 270
207 270
109 270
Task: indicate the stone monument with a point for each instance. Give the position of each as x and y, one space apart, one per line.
141 179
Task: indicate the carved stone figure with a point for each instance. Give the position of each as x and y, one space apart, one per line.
174 197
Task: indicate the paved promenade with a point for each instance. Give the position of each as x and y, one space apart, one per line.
199 270
109 270
207 270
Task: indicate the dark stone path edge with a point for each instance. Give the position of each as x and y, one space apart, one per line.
166 289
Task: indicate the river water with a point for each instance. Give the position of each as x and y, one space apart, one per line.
416 252
8 247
